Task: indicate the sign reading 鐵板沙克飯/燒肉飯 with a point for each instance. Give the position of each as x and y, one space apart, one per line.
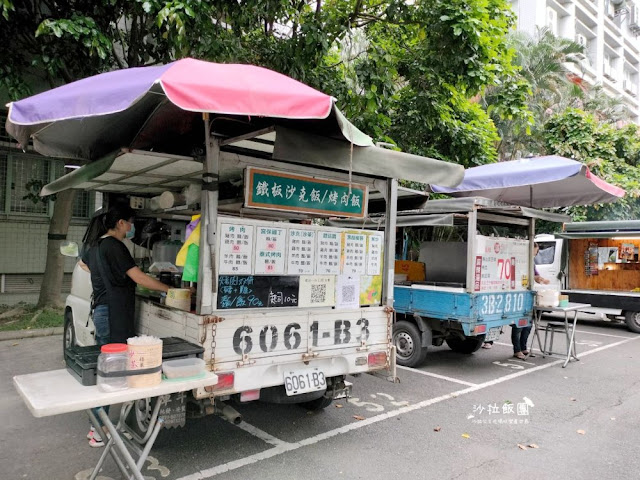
297 193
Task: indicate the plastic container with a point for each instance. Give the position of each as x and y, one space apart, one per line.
166 251
112 367
183 367
563 301
145 353
548 298
179 298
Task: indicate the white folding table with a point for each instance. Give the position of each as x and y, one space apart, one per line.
57 391
570 337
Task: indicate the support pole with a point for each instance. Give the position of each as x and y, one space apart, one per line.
472 227
207 281
390 240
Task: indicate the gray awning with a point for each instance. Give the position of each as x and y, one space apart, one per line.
622 226
300 147
467 204
124 171
625 234
377 223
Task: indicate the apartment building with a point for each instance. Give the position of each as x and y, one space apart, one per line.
609 30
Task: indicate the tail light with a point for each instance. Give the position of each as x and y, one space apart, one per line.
225 382
523 322
480 329
377 359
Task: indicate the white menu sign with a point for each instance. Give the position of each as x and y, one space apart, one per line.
271 245
501 264
355 245
374 254
328 253
236 248
301 252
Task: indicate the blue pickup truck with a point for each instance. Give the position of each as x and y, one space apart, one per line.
478 274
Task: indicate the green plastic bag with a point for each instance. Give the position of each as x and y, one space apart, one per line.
190 272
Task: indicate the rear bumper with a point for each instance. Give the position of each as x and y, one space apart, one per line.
256 377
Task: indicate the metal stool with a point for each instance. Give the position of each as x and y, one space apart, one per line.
552 327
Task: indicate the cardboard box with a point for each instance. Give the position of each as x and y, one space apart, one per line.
415 271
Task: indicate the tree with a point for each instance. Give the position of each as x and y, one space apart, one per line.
542 64
407 73
610 153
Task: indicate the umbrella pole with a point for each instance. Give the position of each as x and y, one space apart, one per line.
207 277
531 196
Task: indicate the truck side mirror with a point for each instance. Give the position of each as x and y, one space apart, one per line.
69 249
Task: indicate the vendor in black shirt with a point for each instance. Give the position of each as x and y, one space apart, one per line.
114 275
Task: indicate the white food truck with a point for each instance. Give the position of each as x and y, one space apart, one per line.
286 307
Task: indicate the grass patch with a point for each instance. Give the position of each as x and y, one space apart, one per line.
24 316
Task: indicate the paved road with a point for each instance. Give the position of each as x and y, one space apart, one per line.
598 395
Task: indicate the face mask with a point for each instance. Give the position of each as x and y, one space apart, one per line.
131 233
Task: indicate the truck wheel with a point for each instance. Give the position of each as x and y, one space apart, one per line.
408 342
317 404
69 336
466 345
632 320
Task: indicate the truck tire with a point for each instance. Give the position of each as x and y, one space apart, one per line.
317 404
408 342
465 345
69 335
632 320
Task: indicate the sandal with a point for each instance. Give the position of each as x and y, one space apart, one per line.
487 345
519 355
525 353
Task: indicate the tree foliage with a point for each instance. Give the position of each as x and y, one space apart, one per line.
610 153
406 73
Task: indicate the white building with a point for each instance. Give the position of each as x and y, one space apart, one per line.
609 31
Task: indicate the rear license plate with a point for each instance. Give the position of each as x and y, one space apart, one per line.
492 335
304 380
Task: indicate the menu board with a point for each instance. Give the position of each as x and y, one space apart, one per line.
236 248
252 291
271 245
355 249
328 253
301 252
374 254
275 264
501 264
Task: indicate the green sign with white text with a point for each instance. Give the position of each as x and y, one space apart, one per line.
297 193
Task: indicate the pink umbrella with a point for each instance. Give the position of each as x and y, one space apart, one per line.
161 109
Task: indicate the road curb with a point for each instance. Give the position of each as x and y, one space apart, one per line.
39 332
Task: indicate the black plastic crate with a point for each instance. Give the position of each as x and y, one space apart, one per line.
82 362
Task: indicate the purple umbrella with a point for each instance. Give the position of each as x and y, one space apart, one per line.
549 181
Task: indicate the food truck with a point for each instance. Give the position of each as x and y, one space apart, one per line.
596 263
286 305
470 274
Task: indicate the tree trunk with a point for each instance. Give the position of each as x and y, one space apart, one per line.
54 270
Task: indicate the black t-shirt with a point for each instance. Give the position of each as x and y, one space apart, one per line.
116 290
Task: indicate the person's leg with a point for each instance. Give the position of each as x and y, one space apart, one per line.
524 336
515 340
102 336
101 324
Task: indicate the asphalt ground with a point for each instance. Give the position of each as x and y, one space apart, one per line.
456 417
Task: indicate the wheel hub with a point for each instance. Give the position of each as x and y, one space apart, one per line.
404 344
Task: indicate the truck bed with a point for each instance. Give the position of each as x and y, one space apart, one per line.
615 299
447 303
